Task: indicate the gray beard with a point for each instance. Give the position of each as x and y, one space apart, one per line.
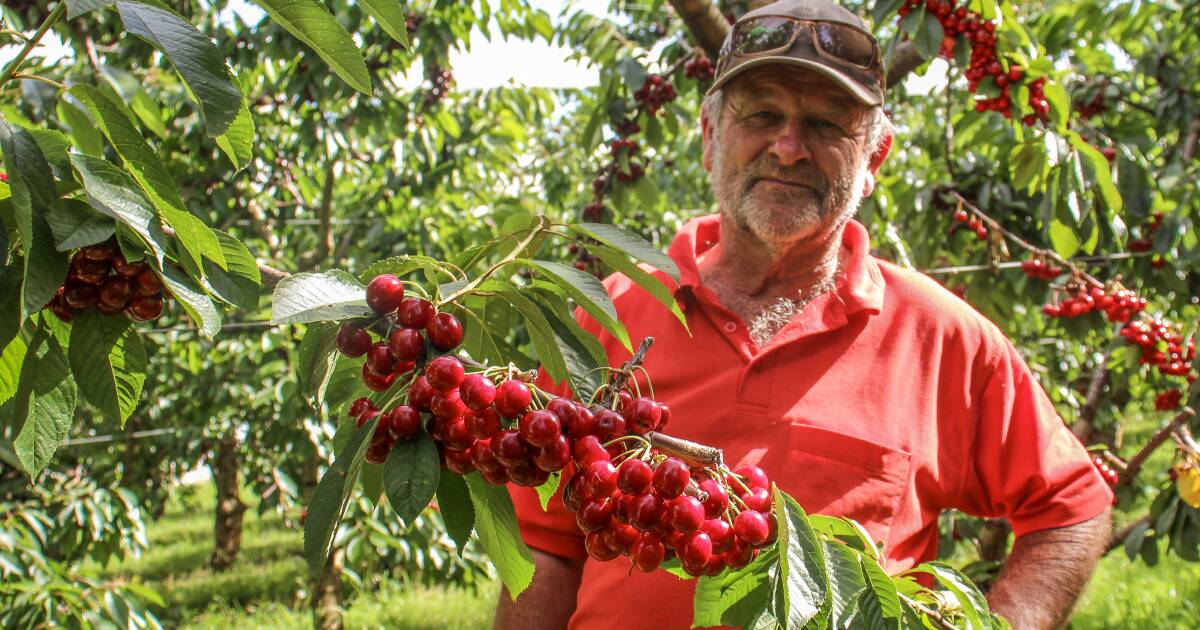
774 317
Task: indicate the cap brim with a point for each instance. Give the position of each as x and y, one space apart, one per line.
860 93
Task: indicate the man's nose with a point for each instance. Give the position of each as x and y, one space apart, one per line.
791 144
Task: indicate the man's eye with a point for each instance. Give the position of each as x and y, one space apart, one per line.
763 116
825 126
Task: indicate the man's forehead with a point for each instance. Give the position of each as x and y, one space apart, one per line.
773 83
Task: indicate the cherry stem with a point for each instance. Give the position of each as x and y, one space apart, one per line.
693 453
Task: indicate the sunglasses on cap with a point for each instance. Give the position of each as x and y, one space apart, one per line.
836 41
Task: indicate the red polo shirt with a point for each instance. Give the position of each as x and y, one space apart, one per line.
886 401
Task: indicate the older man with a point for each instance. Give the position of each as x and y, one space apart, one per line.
863 389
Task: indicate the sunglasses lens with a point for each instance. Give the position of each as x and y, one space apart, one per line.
847 44
763 34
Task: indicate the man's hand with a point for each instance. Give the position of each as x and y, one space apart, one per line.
548 602
1046 572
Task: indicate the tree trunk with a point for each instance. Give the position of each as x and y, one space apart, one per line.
327 595
993 540
229 504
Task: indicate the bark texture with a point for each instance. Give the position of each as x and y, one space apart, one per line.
230 508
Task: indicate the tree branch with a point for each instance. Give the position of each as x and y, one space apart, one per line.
904 59
1135 463
1083 425
1189 143
1118 538
704 20
324 212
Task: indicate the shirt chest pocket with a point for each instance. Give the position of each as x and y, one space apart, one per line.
837 474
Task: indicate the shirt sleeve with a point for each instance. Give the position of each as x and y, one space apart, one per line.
1027 466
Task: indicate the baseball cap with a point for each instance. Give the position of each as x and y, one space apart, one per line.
820 35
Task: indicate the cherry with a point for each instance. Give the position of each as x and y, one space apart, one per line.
610 424
365 417
634 476
376 382
447 404
415 312
456 435
758 499
445 373
99 251
739 554
477 391
567 414
554 457
512 397
497 477
406 344
89 271
574 492
459 462
686 513
352 340
80 295
146 283
720 532
671 477
753 476
483 423
600 477
664 416
380 359
539 428
445 331
599 548
585 425
421 393
624 510
621 536
588 449
718 498
695 551
127 269
751 527
403 422
384 293
378 450
647 553
360 405
594 514
645 417
483 458
646 511
508 447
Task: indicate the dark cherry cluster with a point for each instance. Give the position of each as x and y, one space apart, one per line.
101 278
1110 476
1039 269
1168 399
412 321
700 68
1162 347
652 508
440 80
654 93
1118 306
972 222
1146 242
984 63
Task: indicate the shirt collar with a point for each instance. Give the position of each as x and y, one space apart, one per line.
862 288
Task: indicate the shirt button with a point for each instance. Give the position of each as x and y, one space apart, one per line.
730 327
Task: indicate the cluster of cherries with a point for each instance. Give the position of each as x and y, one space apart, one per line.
1146 243
1168 400
973 222
1110 476
1119 306
656 92
414 321
700 68
1150 336
440 78
651 507
960 22
1039 269
101 278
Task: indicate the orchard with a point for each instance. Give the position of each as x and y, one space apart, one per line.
290 250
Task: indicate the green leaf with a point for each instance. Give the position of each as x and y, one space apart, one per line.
929 36
974 604
845 582
735 597
883 592
540 333
11 360
44 405
240 284
410 476
1099 169
315 360
198 305
309 22
633 73
76 8
55 146
582 353
390 16
371 480
803 582
83 130
458 513
329 500
546 490
238 140
33 194
115 194
195 57
629 243
108 362
587 292
1063 238
75 224
641 277
496 524
314 297
1059 101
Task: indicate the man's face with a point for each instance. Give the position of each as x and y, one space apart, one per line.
787 154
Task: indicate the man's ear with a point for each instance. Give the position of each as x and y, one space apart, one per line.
885 147
706 131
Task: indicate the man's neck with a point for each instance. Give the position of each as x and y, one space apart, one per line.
748 267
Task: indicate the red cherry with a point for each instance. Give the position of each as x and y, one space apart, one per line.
352 340
115 292
512 397
720 532
599 548
385 293
751 527
718 498
739 554
483 423
758 499
80 295
567 414
99 251
752 476
647 553
359 406
447 404
445 331
125 268
144 308
89 271
574 492
686 513
600 478
459 462
586 425
554 457
376 382
406 344
456 435
594 514
695 551
497 477
621 536
646 511
664 416
403 421
588 449
477 391
610 424
646 416
483 458
634 476
380 446
421 393
671 477
508 447
415 312
539 428
380 360
445 373
146 283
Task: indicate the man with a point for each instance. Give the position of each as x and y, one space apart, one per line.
863 389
